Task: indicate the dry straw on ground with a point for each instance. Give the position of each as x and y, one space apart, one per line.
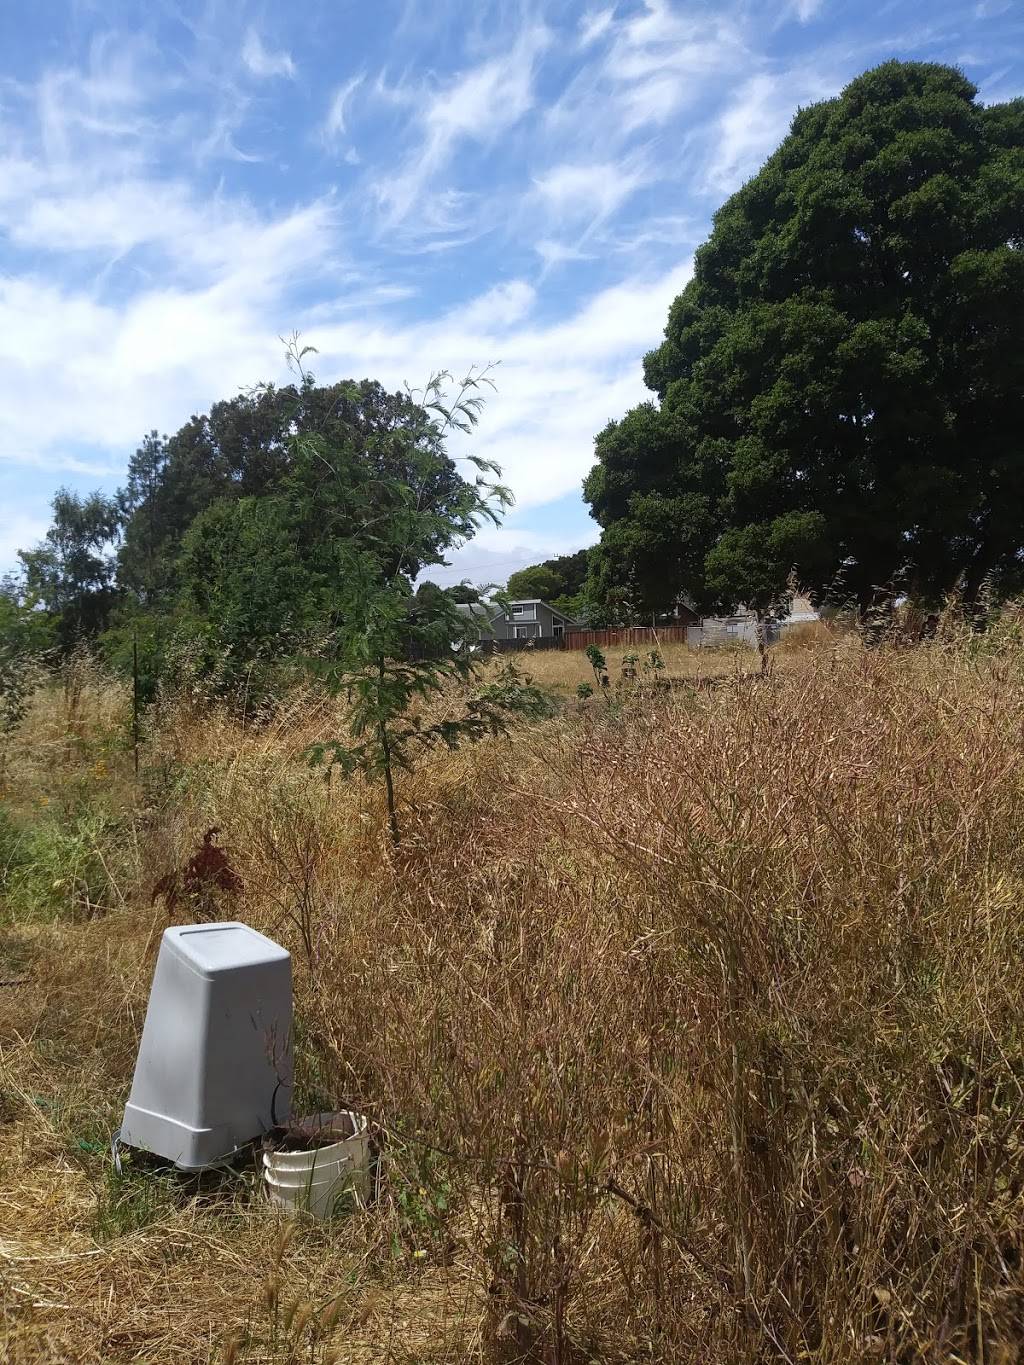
691 1025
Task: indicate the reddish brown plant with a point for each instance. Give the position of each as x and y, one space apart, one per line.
208 871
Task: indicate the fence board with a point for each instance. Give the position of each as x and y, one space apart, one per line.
644 637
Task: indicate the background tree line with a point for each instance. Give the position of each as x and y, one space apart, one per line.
235 542
839 398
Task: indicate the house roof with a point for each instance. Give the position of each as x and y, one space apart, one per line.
539 602
490 611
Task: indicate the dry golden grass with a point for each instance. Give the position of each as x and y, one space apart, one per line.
692 1025
565 669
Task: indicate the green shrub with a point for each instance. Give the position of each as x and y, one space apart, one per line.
54 868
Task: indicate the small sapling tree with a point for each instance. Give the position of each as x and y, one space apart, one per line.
600 666
396 648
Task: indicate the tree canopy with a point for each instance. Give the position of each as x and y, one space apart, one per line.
237 535
558 581
71 574
244 449
841 385
536 581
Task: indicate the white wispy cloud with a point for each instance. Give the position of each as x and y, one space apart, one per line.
476 105
653 63
202 279
999 85
334 122
219 140
108 102
261 61
107 373
200 239
554 253
598 189
662 59
595 24
499 308
754 123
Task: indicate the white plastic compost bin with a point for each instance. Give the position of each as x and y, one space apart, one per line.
214 1069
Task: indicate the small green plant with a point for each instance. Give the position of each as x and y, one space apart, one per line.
54 867
128 1199
584 690
640 673
424 1198
600 666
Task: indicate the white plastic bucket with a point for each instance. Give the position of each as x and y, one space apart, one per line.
316 1179
321 1198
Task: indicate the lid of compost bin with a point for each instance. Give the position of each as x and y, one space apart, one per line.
214 948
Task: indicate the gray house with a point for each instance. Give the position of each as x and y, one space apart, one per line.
741 628
528 619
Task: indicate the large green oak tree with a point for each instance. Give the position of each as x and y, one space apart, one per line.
841 385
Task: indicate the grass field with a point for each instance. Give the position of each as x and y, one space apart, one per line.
690 1023
565 669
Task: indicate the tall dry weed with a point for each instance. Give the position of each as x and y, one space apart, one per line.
689 1025
713 1006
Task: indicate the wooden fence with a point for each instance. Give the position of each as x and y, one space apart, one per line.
517 646
643 637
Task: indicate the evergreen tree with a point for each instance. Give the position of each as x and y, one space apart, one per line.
841 384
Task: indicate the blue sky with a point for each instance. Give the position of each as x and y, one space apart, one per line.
411 185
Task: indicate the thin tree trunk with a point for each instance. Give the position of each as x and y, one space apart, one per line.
389 785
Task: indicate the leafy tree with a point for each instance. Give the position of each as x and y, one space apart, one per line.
841 384
272 576
71 574
396 648
245 448
559 582
140 644
536 581
464 593
249 595
571 570
143 563
25 628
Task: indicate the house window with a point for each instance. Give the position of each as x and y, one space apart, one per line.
557 630
521 632
518 611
